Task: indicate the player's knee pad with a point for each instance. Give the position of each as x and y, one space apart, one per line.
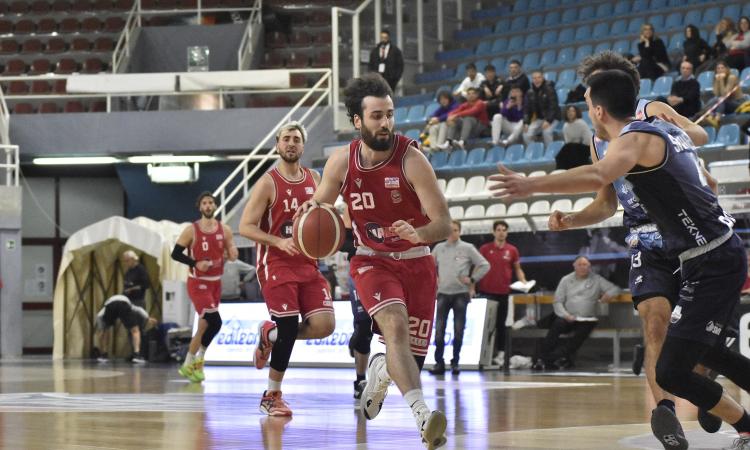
286 334
214 326
674 373
361 337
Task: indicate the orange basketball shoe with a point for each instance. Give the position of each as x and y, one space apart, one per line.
273 405
263 350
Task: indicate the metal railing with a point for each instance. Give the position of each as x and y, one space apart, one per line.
121 54
4 120
10 165
198 11
244 173
246 45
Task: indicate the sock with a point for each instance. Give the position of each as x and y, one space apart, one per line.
360 378
274 385
188 359
668 403
201 352
272 335
743 425
415 400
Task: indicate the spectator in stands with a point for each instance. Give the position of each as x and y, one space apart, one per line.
460 266
136 282
652 58
695 48
236 274
470 117
575 303
685 95
490 89
575 129
515 78
473 79
509 121
387 60
724 83
738 49
504 260
436 126
541 111
724 32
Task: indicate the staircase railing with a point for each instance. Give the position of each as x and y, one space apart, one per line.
121 54
238 182
246 45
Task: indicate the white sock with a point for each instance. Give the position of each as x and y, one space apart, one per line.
272 335
188 359
201 352
415 400
274 385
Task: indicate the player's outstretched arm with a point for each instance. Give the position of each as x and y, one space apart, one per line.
696 132
261 197
419 173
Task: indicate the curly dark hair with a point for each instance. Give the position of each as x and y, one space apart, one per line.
203 195
368 85
608 60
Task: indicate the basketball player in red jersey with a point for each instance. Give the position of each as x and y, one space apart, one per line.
291 283
210 242
396 209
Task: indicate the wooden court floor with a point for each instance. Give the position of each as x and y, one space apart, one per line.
83 405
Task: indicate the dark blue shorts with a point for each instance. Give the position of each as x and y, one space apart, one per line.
358 311
653 274
711 285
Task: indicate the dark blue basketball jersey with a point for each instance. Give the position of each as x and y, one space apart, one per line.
634 213
675 193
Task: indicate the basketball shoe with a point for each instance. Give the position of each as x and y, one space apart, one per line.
432 429
667 429
188 371
376 389
198 370
359 387
263 350
741 443
273 405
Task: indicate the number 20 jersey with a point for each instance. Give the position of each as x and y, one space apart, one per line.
378 196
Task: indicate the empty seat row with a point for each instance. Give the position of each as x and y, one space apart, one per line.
52 107
297 38
36 87
16 67
480 158
19 7
56 45
67 25
500 210
297 60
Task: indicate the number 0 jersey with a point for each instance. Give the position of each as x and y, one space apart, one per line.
378 196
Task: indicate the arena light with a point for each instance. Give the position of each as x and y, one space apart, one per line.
75 160
166 159
173 173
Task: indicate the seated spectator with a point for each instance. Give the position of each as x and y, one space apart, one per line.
576 298
576 94
652 58
470 118
490 89
540 110
685 95
738 49
575 129
695 49
515 78
473 80
236 274
724 82
724 32
509 121
436 126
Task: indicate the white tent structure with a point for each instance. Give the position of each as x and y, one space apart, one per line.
90 272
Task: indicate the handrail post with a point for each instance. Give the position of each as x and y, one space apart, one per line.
378 20
420 35
440 30
355 46
335 63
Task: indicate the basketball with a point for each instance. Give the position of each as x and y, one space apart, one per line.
319 232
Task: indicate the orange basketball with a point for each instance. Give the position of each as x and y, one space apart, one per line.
319 232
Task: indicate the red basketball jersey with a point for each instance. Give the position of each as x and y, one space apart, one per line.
278 220
378 196
208 247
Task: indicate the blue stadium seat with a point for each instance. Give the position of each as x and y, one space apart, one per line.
676 3
662 86
549 37
619 27
534 152
586 13
582 52
711 131
442 88
481 64
520 6
565 79
475 158
657 21
622 7
513 153
601 47
562 95
412 134
448 55
658 4
694 17
553 149
634 46
518 24
430 109
634 26
622 46
639 7
729 134
567 35
711 16
551 4
502 25
499 45
416 115
601 30
552 18
570 15
499 63
745 74
645 87
456 160
706 80
604 10
731 11
461 70
535 21
674 21
536 5
484 48
493 157
675 42
438 160
472 33
583 33
746 10
515 44
532 41
399 115
531 61
548 58
551 75
566 56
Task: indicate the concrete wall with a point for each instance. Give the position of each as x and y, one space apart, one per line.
10 271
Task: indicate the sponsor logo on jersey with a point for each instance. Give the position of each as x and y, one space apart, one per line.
376 296
358 182
219 237
396 197
287 229
364 269
676 314
639 279
289 192
285 306
714 328
392 183
309 190
691 228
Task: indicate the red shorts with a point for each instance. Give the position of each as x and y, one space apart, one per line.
205 294
292 291
382 281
